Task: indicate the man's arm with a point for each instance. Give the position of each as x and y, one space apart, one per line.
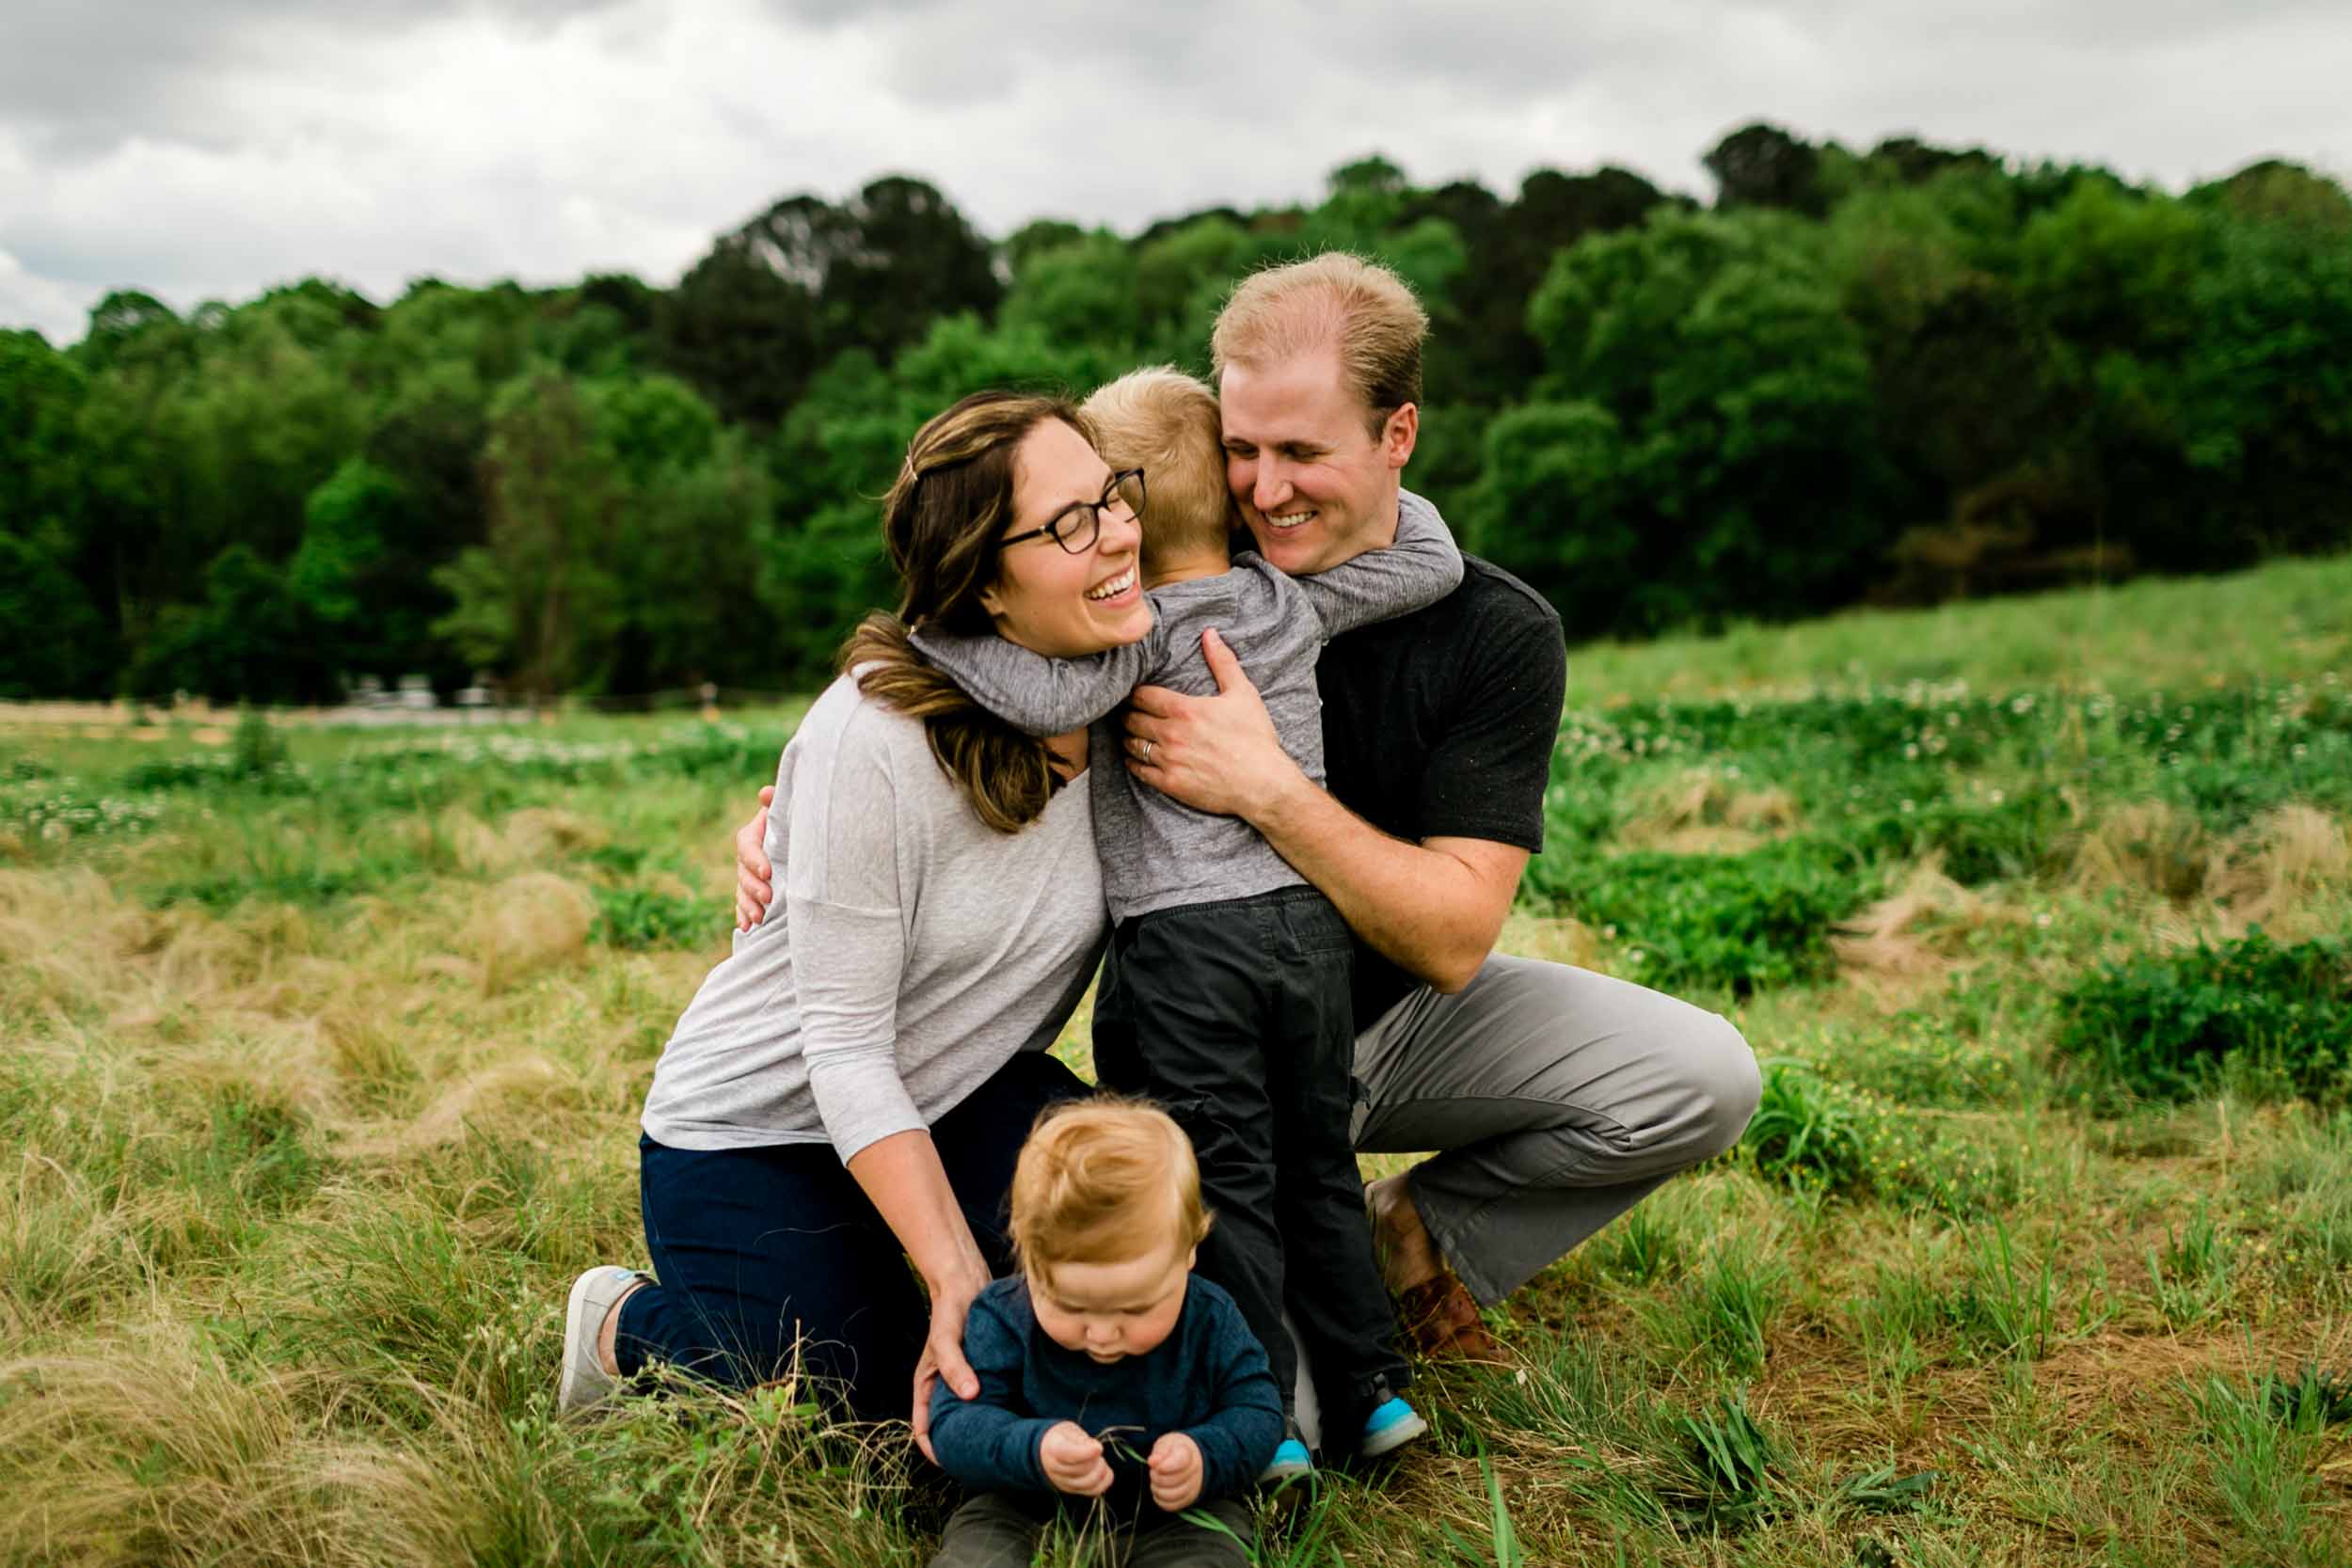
1422 566
1033 692
1434 908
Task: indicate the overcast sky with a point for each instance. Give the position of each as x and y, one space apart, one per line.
207 148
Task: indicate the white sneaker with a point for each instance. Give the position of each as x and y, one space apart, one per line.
584 1381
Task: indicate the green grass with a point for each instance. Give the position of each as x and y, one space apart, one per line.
325 1051
2288 621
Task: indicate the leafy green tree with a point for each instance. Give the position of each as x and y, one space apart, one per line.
1182 275
2264 400
42 393
52 641
1083 290
2276 191
1760 165
743 331
269 414
1554 506
1717 343
1034 237
541 599
694 498
247 638
1481 354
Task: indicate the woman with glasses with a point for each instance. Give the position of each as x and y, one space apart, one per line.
849 1089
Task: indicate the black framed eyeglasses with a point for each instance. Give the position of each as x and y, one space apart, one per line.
1074 527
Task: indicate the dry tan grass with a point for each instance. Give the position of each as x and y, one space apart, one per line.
1704 811
1904 946
2147 847
531 838
528 921
2286 873
1558 939
2289 860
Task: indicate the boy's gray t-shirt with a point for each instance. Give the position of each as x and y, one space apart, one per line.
1157 853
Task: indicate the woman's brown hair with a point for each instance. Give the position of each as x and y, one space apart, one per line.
941 522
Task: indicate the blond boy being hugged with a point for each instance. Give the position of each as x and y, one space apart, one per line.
1226 992
1108 1370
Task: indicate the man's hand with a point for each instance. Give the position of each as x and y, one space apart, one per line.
1175 1466
943 1357
753 893
1073 1462
1217 755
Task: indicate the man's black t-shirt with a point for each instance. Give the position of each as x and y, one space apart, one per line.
1441 725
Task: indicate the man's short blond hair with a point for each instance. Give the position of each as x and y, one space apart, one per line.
1165 422
1331 301
1102 1180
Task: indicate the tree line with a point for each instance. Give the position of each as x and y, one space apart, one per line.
1905 375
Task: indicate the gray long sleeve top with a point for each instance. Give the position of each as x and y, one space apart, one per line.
912 952
1157 853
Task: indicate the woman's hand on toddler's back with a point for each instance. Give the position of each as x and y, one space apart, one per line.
1073 1461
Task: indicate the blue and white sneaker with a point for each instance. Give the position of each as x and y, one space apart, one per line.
1291 1462
1389 1426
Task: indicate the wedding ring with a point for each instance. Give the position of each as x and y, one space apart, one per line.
1147 752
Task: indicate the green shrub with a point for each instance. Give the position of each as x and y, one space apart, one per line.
257 748
637 917
2022 833
1809 1132
1740 922
1725 1477
308 886
2272 1017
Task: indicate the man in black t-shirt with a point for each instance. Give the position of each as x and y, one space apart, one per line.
1557 1097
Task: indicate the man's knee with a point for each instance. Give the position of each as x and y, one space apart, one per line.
1725 1085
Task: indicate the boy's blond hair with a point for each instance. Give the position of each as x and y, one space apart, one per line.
1102 1180
1165 422
1332 301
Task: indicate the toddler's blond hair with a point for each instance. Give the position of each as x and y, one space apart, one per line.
1165 422
1102 1180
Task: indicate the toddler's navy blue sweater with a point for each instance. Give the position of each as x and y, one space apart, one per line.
1208 1379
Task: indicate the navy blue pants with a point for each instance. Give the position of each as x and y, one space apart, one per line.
771 1256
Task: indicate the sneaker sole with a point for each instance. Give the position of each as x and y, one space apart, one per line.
1394 1436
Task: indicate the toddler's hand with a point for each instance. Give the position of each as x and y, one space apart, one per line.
1073 1461
1175 1466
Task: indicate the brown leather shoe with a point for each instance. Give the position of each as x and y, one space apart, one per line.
1440 1319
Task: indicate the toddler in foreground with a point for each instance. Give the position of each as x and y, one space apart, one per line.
1226 992
1108 1370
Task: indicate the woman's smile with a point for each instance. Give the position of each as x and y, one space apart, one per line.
1116 591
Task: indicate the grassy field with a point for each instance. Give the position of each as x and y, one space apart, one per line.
324 1053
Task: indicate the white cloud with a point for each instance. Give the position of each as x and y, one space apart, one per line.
210 152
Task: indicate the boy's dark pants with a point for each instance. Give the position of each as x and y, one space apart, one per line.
1000 1529
1236 1017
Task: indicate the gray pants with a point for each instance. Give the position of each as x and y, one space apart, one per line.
1000 1529
1558 1097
